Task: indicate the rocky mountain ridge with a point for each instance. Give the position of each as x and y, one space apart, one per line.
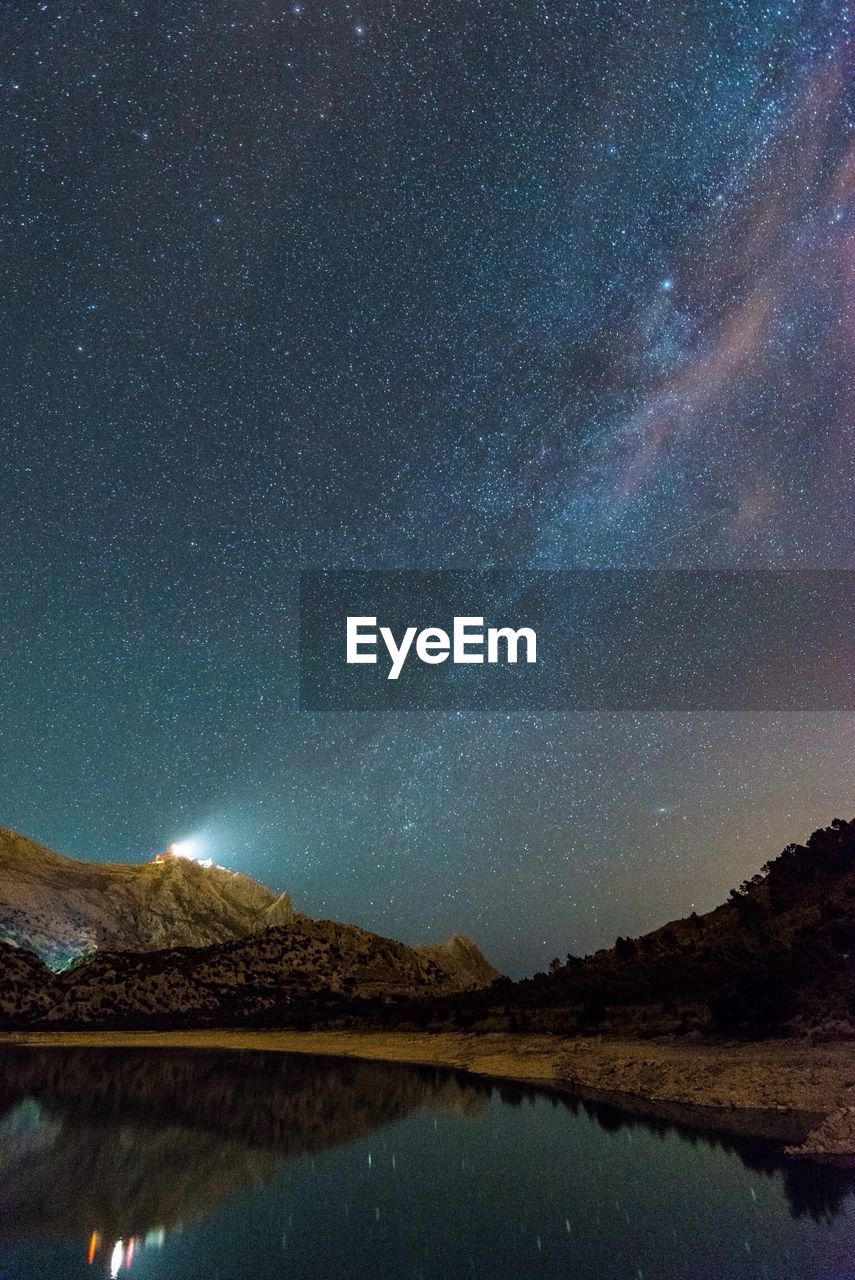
172 939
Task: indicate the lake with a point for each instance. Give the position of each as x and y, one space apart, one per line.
191 1165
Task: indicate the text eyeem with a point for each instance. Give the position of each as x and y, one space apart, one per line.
467 643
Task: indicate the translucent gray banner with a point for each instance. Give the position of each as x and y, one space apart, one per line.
611 640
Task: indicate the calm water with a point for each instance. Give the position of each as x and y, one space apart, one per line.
150 1165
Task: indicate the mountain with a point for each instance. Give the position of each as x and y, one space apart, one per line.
778 958
61 908
174 940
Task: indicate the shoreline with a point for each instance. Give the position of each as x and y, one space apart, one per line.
782 1090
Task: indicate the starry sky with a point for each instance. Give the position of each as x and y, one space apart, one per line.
409 284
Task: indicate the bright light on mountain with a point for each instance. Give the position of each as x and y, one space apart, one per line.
185 849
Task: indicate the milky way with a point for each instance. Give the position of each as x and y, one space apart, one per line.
413 285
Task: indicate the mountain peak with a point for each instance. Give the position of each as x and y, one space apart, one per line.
459 954
61 907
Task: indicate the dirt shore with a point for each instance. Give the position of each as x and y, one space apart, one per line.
782 1088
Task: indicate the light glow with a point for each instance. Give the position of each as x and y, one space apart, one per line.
185 849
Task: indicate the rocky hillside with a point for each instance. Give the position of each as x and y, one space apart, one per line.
278 975
27 987
62 908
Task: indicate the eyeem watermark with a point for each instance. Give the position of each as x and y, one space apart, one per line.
467 643
582 640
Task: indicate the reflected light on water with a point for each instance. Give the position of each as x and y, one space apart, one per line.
94 1245
123 1251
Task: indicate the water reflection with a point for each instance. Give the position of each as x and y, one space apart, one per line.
117 1150
117 1145
816 1191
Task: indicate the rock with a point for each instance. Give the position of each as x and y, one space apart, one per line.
459 957
834 1138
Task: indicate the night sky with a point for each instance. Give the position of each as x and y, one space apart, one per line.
413 284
